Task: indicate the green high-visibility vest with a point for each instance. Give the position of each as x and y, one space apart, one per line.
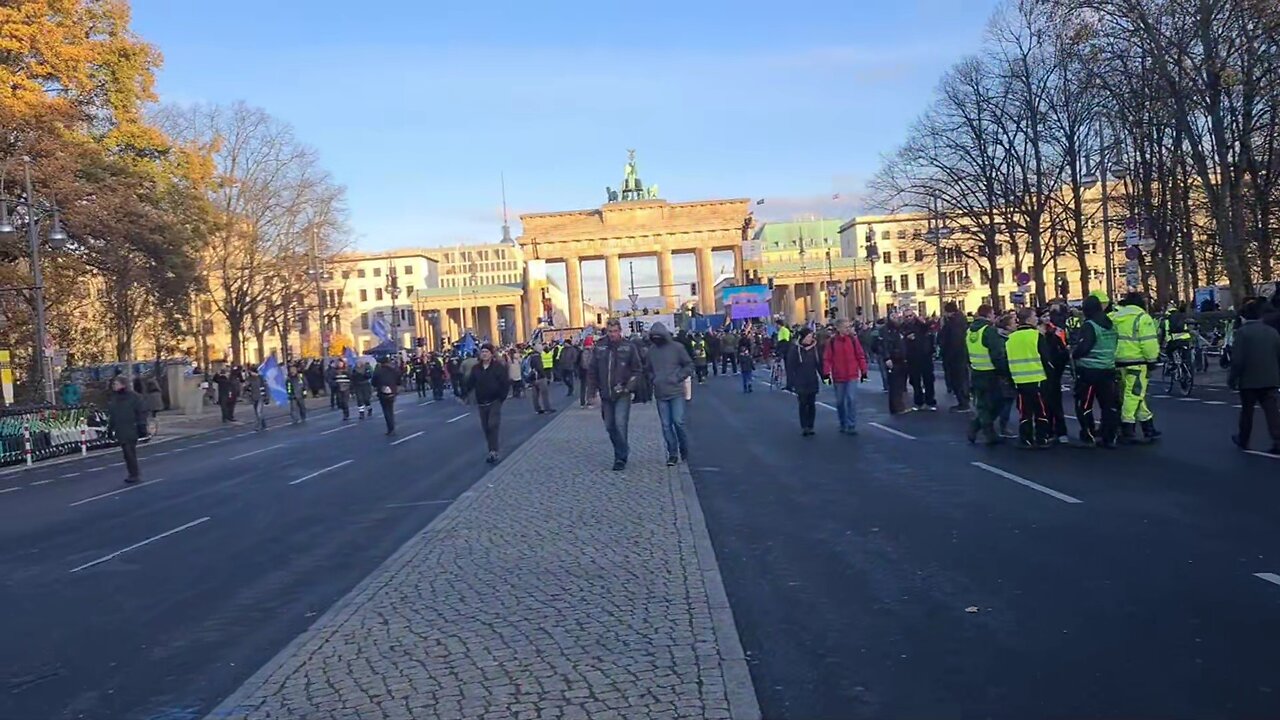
784 334
1024 357
1103 354
979 355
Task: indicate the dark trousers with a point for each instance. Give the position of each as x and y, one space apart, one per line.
130 450
957 377
1033 417
898 387
228 408
490 422
986 403
1096 387
1051 391
921 375
1266 397
727 361
517 388
333 397
388 403
342 398
715 366
808 409
585 391
568 381
701 371
437 389
617 415
422 388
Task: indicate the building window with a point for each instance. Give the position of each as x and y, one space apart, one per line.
919 255
920 308
884 234
999 275
408 269
360 273
377 294
346 274
888 283
986 276
887 258
902 256
906 282
920 280
408 290
364 321
404 315
364 295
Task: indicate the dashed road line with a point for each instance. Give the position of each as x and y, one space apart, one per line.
888 429
1269 577
429 402
421 502
344 426
135 546
116 492
9 490
255 452
1215 402
1259 453
42 482
457 418
1025 482
408 437
304 478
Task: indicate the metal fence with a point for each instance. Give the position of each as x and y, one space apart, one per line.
34 433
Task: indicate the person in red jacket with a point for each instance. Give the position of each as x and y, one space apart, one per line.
844 364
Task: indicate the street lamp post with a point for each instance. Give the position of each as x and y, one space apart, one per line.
57 239
318 274
1089 181
935 235
393 289
873 256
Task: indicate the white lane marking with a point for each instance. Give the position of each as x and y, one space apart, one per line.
116 492
1237 406
408 437
457 418
96 469
888 429
1188 399
829 407
116 464
137 545
320 472
415 504
1262 454
426 403
43 482
1269 577
70 474
255 452
1023 481
9 490
340 427
1071 417
1215 402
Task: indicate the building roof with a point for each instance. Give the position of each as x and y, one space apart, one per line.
429 293
786 235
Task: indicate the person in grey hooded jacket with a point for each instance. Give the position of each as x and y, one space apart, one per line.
669 365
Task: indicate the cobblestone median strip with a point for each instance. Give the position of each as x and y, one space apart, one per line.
553 588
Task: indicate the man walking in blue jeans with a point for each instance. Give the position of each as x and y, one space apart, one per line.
616 362
669 365
845 364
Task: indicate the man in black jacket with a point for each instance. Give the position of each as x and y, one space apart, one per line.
919 352
489 382
1255 374
615 363
386 383
955 357
127 415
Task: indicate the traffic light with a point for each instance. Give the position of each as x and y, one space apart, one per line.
693 288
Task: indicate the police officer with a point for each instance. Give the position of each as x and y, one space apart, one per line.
986 349
1095 362
1137 351
1026 352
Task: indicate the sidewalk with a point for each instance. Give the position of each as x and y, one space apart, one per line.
553 588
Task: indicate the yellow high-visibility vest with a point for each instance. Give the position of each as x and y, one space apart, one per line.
1025 364
979 355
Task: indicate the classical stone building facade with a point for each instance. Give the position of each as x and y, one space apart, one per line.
625 229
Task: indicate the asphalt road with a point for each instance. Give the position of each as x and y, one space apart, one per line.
159 600
1130 583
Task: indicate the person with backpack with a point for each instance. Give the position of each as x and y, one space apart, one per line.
362 388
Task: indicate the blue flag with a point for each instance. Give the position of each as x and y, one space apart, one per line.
468 345
350 356
273 376
379 330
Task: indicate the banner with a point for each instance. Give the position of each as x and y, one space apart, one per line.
745 302
273 376
379 330
6 376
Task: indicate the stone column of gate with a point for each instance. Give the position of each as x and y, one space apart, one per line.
706 282
494 336
816 308
533 305
573 291
519 314
613 279
739 272
667 279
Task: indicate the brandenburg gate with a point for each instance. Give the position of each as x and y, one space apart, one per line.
633 223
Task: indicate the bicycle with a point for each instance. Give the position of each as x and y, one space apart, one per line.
1179 372
777 373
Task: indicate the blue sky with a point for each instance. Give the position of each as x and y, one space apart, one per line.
418 107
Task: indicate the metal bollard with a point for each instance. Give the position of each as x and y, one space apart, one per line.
84 441
26 442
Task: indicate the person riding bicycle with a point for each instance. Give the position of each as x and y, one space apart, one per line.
1177 337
